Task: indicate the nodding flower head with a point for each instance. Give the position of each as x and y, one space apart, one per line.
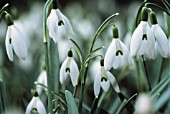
54 21
161 40
35 105
69 67
143 42
14 40
117 54
103 80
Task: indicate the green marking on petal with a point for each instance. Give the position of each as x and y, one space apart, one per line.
103 79
10 40
119 52
67 70
144 37
60 23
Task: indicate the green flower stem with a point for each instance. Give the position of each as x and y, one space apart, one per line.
45 10
146 72
94 106
3 9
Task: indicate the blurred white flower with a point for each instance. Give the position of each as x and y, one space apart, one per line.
117 54
144 104
69 67
143 42
36 105
54 21
161 41
42 79
103 79
15 41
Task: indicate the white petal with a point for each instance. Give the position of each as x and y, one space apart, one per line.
74 72
151 42
143 47
109 56
97 83
36 103
136 39
105 85
162 40
113 81
18 43
8 44
117 61
63 74
52 25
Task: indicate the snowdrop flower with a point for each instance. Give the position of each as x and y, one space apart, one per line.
54 21
14 40
161 41
69 67
35 105
117 54
42 79
144 104
143 42
103 80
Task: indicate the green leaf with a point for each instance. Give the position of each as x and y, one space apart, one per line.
78 50
71 103
167 5
54 67
161 85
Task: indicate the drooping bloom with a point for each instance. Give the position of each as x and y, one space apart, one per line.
35 105
144 104
42 79
143 42
69 67
161 40
117 54
103 80
14 40
54 21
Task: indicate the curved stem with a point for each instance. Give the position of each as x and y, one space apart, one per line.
3 9
45 10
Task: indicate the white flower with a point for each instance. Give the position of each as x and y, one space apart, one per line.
14 41
69 67
144 105
35 105
54 21
103 79
117 54
142 41
42 79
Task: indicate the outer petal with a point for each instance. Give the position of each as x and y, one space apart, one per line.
136 39
52 25
8 44
113 81
40 107
18 43
105 85
74 72
97 82
151 42
161 39
63 74
110 53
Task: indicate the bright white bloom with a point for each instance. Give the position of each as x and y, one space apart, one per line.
117 54
142 41
36 105
54 21
144 105
42 79
103 79
14 41
69 67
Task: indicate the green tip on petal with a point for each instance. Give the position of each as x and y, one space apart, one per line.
153 18
9 19
70 53
35 93
102 62
115 32
144 14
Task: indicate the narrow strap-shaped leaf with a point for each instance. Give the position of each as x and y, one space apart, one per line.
94 106
54 67
166 5
3 96
78 50
71 103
